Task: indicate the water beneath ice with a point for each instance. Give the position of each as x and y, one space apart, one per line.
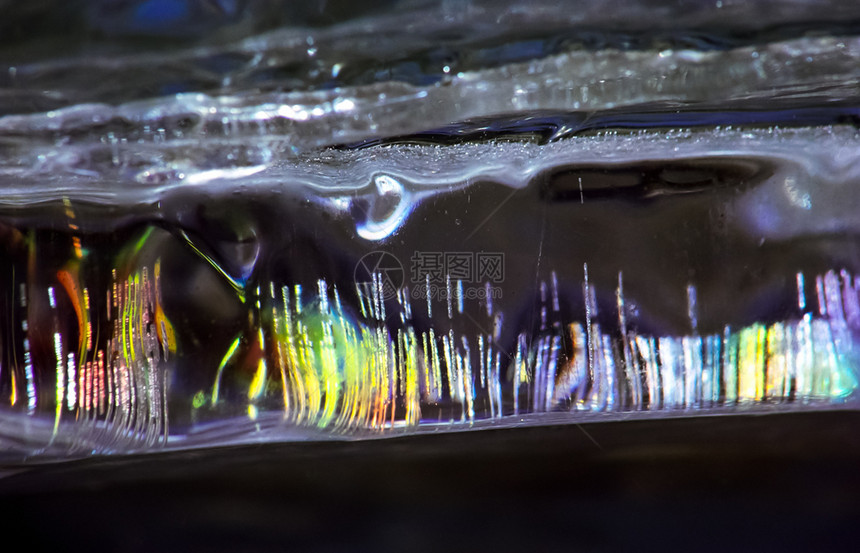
369 228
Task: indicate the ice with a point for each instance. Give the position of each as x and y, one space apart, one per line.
328 235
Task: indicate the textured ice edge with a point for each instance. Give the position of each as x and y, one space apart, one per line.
829 154
25 432
270 429
146 143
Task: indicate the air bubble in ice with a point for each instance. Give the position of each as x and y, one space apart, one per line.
386 209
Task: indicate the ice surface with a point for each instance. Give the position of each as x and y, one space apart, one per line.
377 227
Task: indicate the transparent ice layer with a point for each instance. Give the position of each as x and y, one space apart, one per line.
586 233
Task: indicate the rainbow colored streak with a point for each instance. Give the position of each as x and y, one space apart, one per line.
339 374
318 365
115 388
335 372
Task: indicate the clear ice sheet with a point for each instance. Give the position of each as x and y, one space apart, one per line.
666 228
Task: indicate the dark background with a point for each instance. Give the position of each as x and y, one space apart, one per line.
785 482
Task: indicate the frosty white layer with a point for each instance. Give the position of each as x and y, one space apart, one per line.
171 138
827 152
815 187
